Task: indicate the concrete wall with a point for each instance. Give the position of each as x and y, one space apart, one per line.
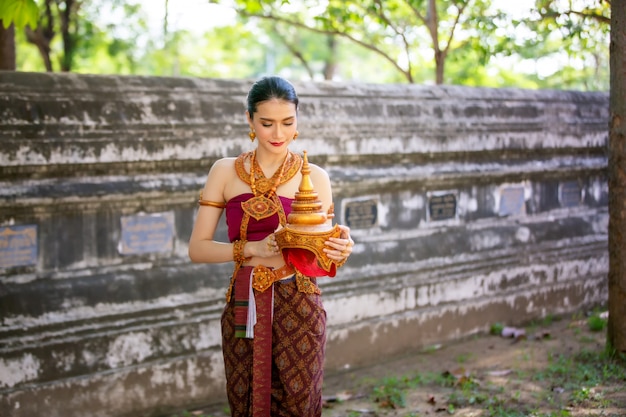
468 206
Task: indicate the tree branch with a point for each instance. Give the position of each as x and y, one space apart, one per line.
299 56
370 47
407 46
454 26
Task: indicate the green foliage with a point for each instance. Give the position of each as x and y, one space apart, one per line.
581 378
112 43
403 34
390 394
579 375
581 372
392 41
92 44
496 329
19 12
230 51
27 57
463 358
463 41
596 323
575 35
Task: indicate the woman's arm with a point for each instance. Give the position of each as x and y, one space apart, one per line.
202 246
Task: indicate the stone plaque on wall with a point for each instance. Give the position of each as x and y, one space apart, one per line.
442 206
147 233
360 214
18 246
512 201
570 194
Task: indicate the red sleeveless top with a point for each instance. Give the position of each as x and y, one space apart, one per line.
257 229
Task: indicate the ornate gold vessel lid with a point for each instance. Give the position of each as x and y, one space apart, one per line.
306 209
302 239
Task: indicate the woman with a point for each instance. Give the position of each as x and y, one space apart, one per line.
272 340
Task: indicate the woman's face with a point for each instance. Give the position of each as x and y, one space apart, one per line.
275 123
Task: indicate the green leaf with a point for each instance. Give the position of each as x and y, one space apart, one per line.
19 12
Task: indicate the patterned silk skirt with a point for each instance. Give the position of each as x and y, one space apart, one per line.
297 353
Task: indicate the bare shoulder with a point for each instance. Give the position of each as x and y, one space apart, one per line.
318 173
223 167
224 163
321 182
317 170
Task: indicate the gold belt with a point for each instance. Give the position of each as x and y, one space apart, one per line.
263 277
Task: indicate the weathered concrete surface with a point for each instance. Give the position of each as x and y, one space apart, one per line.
90 327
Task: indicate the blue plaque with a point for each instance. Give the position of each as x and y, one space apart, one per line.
361 214
147 233
512 201
18 246
570 194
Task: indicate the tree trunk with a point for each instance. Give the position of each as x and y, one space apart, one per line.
42 36
432 22
616 336
38 38
330 67
7 48
440 61
65 16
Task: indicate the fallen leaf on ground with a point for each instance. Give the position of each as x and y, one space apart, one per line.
340 396
499 372
362 411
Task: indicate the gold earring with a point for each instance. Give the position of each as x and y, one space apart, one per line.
295 135
252 135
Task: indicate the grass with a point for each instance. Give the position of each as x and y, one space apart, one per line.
596 322
390 393
564 380
580 376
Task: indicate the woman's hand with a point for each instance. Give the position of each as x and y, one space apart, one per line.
265 248
339 248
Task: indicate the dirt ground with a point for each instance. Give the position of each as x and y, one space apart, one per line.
551 369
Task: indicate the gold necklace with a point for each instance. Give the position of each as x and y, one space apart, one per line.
265 201
265 185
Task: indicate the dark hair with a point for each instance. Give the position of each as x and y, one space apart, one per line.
268 88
